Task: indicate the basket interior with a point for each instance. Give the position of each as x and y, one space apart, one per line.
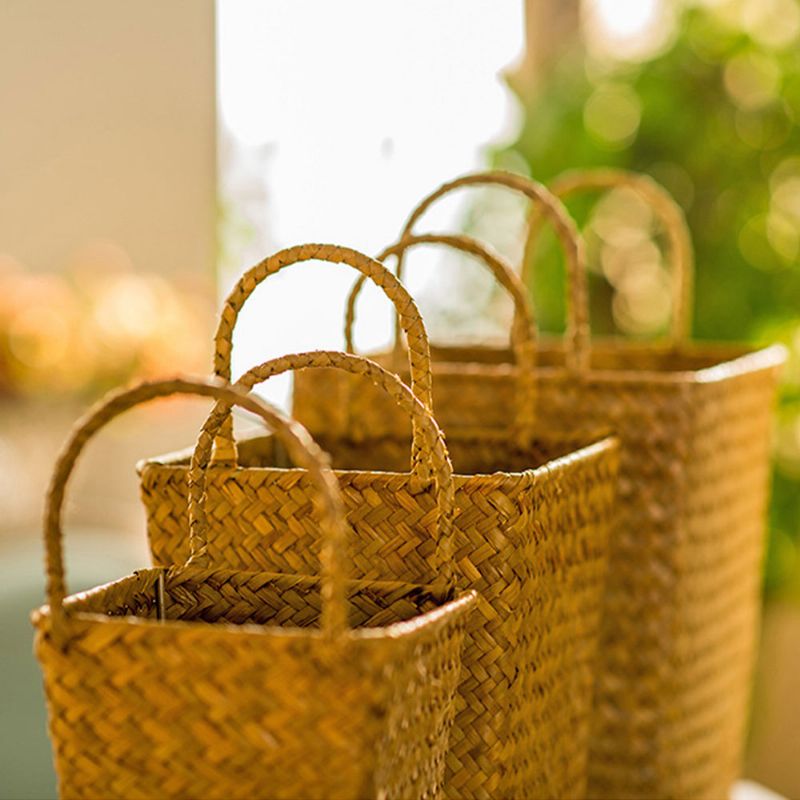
471 455
606 354
193 594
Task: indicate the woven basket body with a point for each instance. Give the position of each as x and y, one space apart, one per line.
530 534
241 708
681 611
530 527
200 681
682 604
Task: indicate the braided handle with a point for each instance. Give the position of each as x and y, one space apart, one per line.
299 444
436 452
578 333
523 332
666 208
408 315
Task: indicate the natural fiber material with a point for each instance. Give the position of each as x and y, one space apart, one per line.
529 533
523 345
365 419
201 681
682 604
408 320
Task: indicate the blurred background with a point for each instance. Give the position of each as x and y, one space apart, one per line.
151 152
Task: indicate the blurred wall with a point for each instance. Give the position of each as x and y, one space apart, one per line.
107 131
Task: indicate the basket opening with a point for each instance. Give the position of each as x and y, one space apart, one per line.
471 454
607 354
223 596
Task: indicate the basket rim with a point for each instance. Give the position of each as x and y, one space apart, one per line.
458 606
734 359
597 445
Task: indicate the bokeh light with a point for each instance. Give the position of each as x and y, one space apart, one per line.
98 323
628 29
612 115
752 80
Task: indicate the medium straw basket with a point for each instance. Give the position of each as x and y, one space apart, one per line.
530 534
533 542
682 604
204 681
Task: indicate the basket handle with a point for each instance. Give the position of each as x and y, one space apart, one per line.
523 331
666 208
408 316
435 450
578 333
299 444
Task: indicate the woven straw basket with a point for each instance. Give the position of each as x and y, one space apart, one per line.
530 534
682 604
203 681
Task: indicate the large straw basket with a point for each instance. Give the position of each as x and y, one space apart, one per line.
682 603
208 682
530 534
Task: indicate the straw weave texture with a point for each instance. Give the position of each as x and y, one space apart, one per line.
530 534
681 610
531 521
234 684
231 706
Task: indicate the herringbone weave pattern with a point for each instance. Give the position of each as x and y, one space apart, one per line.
219 683
682 602
681 609
530 534
229 706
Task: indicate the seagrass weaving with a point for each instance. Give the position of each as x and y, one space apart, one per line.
530 529
694 418
210 682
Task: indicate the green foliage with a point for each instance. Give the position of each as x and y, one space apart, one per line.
718 117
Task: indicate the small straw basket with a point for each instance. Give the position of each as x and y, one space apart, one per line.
210 682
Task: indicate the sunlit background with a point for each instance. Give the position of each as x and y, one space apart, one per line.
149 155
349 130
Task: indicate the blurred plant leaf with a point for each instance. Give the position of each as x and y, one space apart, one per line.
718 126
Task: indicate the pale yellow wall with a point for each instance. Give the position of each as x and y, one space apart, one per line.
107 130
